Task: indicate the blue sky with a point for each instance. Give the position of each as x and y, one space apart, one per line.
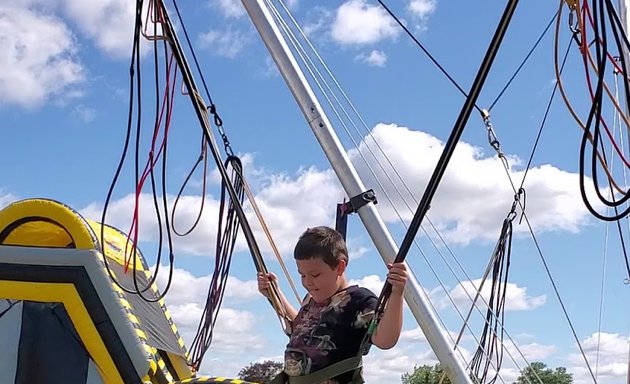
63 111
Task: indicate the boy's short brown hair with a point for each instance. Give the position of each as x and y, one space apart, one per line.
321 243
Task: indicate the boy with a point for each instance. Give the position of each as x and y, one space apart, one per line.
334 316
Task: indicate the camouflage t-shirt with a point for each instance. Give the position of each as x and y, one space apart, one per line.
326 333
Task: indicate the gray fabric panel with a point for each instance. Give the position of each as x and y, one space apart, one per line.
93 376
153 321
90 260
10 325
50 349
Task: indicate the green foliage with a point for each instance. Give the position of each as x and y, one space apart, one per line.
261 372
425 374
547 375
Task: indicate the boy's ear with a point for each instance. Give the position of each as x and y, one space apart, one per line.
341 267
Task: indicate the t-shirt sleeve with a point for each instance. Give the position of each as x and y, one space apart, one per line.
366 306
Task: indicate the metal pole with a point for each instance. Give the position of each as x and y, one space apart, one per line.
414 294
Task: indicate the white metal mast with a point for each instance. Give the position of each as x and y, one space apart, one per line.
414 294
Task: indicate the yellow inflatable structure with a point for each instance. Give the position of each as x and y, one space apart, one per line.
62 317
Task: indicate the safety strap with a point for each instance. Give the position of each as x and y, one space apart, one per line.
346 208
350 364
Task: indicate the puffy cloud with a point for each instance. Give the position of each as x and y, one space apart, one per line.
109 23
235 9
374 58
84 113
416 335
317 19
612 367
357 22
413 335
6 198
279 197
281 201
228 42
234 333
39 57
355 249
516 298
422 8
531 352
474 195
200 241
388 366
371 282
230 8
187 288
236 338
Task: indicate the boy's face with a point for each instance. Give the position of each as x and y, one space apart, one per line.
320 279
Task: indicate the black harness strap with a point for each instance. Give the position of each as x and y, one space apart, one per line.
346 208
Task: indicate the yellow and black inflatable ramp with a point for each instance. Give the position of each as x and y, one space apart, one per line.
62 318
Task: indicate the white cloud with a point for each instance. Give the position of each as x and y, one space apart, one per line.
374 58
516 298
200 241
355 249
186 288
413 335
230 8
474 195
317 19
234 330
388 366
6 199
270 69
371 282
280 198
109 23
609 344
235 9
357 22
531 351
422 8
613 359
84 113
38 57
228 42
236 338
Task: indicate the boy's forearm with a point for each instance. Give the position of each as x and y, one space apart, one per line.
291 311
390 326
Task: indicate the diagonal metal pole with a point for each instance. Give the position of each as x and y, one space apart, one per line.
415 295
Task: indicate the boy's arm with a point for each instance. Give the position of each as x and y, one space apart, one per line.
389 327
291 311
264 287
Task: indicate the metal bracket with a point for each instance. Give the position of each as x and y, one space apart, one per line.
351 206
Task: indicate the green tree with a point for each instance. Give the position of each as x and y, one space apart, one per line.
537 370
425 374
261 372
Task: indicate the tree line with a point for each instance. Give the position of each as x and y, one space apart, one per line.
536 372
